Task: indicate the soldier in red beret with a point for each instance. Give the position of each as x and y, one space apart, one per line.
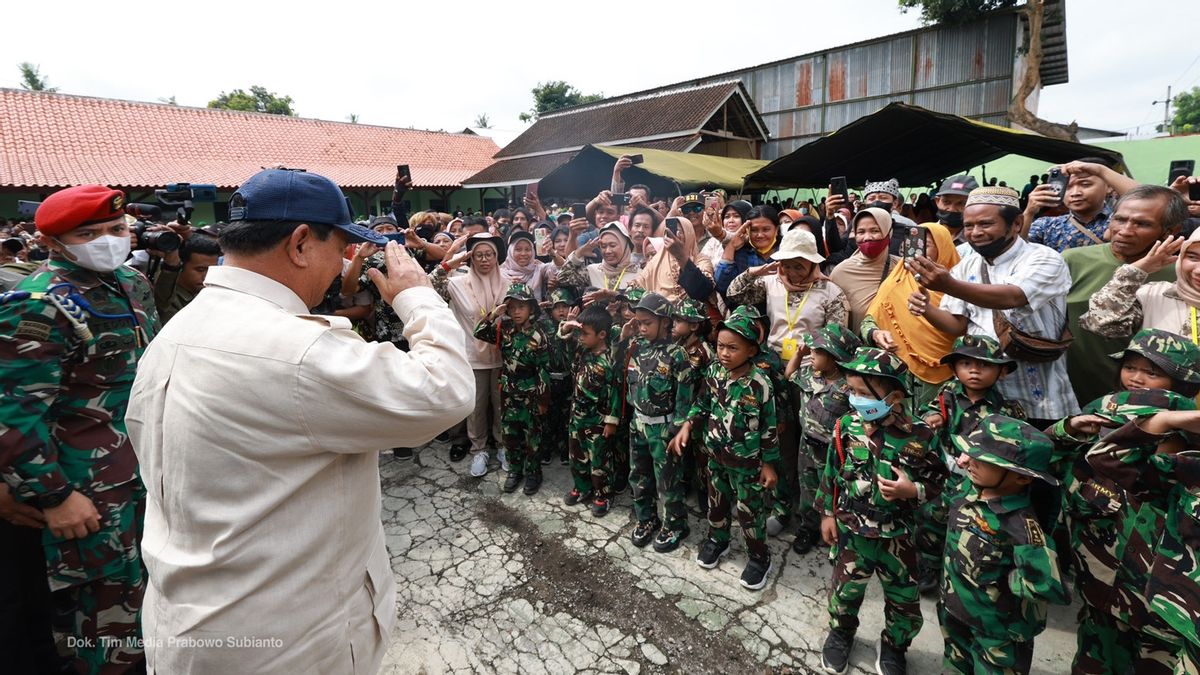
71 334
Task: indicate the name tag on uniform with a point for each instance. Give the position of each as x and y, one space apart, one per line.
790 347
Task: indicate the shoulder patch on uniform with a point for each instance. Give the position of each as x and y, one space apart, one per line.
1034 531
34 328
983 525
914 448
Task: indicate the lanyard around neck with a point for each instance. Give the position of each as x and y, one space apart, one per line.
791 320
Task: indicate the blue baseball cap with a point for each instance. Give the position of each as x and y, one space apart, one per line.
282 194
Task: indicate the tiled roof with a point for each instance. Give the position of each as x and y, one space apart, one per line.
633 120
55 140
522 170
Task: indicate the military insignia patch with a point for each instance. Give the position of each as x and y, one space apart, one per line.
915 449
664 369
1034 531
117 202
33 329
983 525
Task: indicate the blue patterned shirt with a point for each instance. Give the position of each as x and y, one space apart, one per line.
1058 233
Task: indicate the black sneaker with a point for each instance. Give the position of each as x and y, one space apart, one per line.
754 576
927 583
532 483
806 539
457 452
644 532
565 458
711 552
546 459
600 507
402 454
669 540
835 655
890 660
513 480
575 496
620 484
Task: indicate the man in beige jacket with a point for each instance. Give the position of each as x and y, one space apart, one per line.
258 427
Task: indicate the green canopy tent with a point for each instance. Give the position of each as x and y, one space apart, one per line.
666 173
914 145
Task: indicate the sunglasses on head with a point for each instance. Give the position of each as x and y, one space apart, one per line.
692 208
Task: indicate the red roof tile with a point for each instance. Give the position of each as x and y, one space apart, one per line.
57 140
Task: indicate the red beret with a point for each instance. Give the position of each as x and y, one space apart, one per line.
68 209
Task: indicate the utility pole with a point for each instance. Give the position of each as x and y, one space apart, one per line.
1166 128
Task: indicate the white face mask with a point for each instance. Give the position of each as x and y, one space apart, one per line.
102 254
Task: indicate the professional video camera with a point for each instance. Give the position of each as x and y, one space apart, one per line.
164 241
181 197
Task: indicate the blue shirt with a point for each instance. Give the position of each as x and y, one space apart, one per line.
1060 234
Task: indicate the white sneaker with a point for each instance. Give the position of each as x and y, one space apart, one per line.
503 459
479 464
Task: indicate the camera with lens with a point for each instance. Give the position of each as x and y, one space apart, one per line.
164 241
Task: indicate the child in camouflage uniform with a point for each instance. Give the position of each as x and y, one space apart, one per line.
1000 570
822 397
524 382
622 315
879 468
660 386
592 401
691 332
735 413
1116 499
554 429
954 412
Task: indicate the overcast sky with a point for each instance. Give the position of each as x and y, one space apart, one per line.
437 65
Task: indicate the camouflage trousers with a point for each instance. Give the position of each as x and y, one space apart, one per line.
1107 645
969 652
103 578
520 436
1189 659
787 489
727 485
812 465
893 560
556 433
655 475
591 460
931 529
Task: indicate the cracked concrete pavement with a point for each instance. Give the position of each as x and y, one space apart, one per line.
503 583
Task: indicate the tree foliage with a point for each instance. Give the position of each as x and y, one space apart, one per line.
954 11
1187 111
482 121
548 96
32 79
257 100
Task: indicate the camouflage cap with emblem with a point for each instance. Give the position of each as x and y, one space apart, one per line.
744 326
633 294
521 292
1124 406
561 296
751 312
655 304
870 361
836 340
980 348
1012 444
1176 355
690 310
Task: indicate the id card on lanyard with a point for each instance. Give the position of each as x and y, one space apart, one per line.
790 344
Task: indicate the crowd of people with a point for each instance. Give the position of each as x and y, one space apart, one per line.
892 381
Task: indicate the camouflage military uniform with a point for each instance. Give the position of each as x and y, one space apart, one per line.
1173 590
700 354
593 399
555 429
661 383
1115 500
386 326
66 386
1001 570
524 383
874 534
737 417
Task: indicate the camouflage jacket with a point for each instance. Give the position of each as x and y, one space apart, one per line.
1000 569
526 354
737 418
822 403
595 391
1120 308
865 452
62 415
770 363
960 416
387 326
12 273
1173 590
699 353
562 350
660 380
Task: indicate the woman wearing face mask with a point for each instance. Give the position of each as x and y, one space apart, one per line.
721 228
889 325
861 274
615 271
522 266
750 246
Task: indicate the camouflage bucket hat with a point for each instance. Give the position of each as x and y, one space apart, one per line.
880 363
562 295
835 339
1175 354
519 291
1125 406
690 310
1012 444
745 326
980 348
656 305
634 294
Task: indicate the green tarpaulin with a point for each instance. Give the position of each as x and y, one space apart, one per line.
914 145
666 173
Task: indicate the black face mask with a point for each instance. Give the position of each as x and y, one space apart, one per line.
992 249
886 206
951 219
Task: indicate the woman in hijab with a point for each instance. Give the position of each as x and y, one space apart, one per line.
860 275
1128 304
615 271
522 265
721 228
471 296
751 246
674 267
889 325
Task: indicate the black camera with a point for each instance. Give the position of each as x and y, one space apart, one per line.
180 196
164 241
